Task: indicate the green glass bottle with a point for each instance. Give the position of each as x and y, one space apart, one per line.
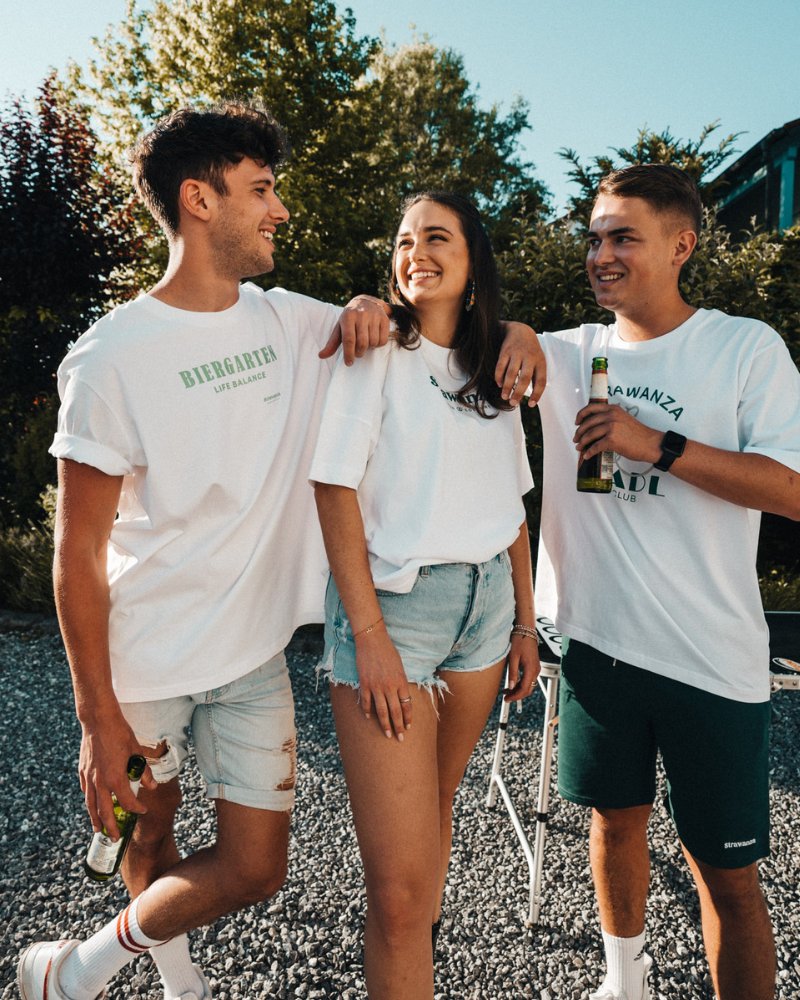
105 855
596 474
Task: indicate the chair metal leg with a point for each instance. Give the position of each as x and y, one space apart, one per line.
548 682
550 688
497 760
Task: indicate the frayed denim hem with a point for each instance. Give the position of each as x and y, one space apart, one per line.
324 669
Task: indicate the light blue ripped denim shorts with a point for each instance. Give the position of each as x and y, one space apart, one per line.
457 616
243 735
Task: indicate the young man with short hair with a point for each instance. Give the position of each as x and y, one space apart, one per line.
665 643
187 543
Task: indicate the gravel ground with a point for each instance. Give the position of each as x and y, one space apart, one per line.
306 942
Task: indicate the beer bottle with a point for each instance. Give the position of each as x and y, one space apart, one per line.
595 474
105 855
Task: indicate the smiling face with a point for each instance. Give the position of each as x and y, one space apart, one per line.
431 258
635 256
246 220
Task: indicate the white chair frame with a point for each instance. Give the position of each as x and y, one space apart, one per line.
549 678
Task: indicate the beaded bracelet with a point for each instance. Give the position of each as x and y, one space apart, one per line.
525 630
368 629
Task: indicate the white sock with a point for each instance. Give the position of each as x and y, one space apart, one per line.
86 970
174 964
624 961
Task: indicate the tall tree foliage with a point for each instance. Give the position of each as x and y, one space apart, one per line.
693 156
67 240
424 127
427 129
367 125
302 59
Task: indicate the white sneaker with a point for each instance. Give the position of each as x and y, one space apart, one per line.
608 993
37 970
205 995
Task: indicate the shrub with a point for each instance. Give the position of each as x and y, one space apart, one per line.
780 589
26 561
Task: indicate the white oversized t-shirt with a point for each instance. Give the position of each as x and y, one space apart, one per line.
216 555
437 483
659 573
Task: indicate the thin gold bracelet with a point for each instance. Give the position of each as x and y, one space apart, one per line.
525 630
368 629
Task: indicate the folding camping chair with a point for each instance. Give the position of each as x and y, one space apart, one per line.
784 676
550 655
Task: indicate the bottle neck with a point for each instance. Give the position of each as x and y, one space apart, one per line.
598 393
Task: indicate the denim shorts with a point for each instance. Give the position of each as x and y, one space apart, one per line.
613 720
243 735
457 616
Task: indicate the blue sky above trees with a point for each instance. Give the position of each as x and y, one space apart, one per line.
592 73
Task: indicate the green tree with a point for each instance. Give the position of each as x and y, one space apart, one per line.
367 125
424 127
650 147
783 291
67 242
302 59
427 129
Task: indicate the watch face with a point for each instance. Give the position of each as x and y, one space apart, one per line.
672 446
673 443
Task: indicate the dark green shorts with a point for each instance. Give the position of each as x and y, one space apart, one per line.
614 718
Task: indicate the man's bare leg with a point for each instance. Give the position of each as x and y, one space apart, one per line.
221 878
736 931
620 861
215 880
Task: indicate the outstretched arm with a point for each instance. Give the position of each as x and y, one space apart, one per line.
382 679
364 324
744 478
87 506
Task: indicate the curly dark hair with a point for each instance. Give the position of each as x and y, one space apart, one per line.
479 335
201 143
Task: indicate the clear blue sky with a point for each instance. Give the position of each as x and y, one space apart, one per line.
593 73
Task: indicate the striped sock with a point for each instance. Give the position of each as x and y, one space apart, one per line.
86 971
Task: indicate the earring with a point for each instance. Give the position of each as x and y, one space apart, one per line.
470 300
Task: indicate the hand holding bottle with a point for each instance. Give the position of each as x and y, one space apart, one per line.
604 427
105 752
108 845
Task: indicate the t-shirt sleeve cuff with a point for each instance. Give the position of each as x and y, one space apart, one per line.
335 475
89 453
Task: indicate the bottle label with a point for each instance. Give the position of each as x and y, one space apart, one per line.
598 393
607 465
102 854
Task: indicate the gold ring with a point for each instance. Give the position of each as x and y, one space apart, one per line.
405 701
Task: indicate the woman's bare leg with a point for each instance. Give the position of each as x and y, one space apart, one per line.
393 791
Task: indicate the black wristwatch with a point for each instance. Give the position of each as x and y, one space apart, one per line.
672 447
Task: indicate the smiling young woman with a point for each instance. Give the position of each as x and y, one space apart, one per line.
419 471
